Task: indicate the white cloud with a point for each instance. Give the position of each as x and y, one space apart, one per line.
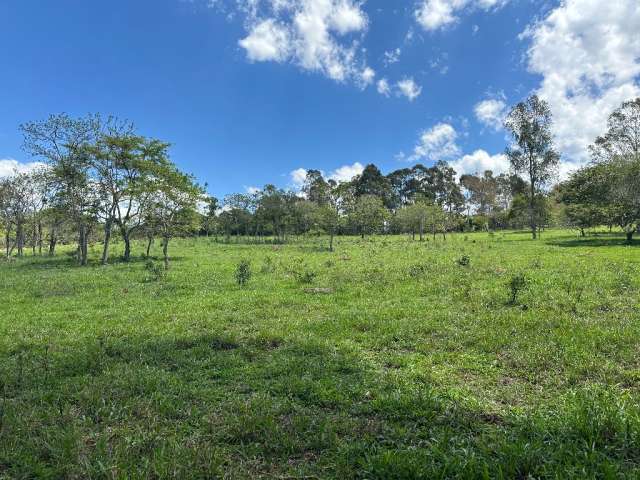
392 56
251 190
408 88
436 143
367 76
438 14
588 56
9 166
383 87
346 172
341 174
480 161
491 112
267 40
298 176
309 33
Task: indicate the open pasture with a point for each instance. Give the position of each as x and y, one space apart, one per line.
482 356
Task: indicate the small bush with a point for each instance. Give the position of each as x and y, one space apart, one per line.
417 270
243 272
306 277
464 261
517 283
268 266
155 271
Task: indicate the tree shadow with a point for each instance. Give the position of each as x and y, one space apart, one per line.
213 404
594 241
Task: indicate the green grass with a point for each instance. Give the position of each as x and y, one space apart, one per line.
385 359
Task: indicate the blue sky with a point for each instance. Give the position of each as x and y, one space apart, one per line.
251 92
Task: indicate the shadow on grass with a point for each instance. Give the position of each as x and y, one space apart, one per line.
601 240
218 405
69 261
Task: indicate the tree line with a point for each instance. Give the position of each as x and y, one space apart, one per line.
100 179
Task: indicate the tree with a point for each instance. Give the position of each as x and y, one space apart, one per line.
368 214
59 141
372 182
171 204
532 153
210 215
618 151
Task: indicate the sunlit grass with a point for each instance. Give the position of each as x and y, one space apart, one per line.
388 358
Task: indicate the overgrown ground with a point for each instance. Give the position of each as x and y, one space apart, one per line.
384 359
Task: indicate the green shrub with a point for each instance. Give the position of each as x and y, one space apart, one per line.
243 272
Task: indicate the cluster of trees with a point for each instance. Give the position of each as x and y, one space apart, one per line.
100 179
607 192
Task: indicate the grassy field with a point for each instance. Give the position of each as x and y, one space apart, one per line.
388 358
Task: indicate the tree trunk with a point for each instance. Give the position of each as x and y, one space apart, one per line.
331 242
630 236
149 242
107 239
422 229
165 248
532 216
20 239
39 238
582 232
53 240
7 240
127 245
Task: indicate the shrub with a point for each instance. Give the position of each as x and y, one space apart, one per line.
155 271
306 277
464 260
243 272
517 283
268 266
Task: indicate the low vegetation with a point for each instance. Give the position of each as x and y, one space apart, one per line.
388 358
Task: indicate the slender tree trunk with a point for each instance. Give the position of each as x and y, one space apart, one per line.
331 241
53 240
165 251
149 242
422 229
532 193
630 236
126 237
39 238
7 242
582 232
20 239
107 240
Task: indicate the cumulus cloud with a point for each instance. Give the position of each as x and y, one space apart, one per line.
491 112
298 176
268 40
409 88
346 172
438 14
480 161
312 34
9 167
588 56
392 56
383 87
341 174
436 143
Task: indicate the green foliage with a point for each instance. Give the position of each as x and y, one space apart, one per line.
464 261
242 273
155 271
517 283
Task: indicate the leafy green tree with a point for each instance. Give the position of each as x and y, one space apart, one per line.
368 215
171 205
59 141
532 153
618 151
